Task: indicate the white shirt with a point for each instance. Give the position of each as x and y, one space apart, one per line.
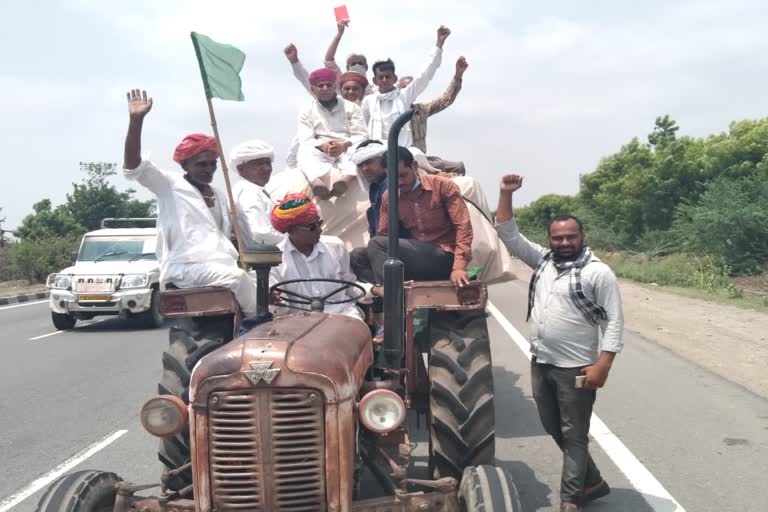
343 122
558 332
187 231
380 111
329 260
254 207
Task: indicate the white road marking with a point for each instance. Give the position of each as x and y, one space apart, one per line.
45 335
82 324
13 500
657 497
22 304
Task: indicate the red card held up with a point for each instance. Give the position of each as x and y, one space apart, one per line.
341 13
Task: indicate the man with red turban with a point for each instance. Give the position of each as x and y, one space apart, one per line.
326 131
309 254
352 86
193 225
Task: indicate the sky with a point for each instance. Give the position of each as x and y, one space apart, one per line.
552 87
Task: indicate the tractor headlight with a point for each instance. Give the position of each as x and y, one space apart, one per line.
164 415
59 281
134 281
381 411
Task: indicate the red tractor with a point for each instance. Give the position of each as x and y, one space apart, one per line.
292 414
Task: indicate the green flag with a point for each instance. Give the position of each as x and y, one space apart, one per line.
220 66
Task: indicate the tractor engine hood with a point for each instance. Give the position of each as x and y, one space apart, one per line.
330 353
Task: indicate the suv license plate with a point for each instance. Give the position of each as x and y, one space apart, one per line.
90 298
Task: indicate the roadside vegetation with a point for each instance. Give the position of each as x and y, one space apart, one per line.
685 212
47 237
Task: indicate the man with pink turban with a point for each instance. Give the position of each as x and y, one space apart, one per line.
309 254
326 131
193 225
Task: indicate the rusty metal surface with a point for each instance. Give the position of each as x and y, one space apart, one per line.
410 502
267 450
328 353
193 302
442 295
159 505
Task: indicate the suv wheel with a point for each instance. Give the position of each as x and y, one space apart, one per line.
62 321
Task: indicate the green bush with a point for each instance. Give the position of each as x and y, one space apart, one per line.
730 222
33 260
685 270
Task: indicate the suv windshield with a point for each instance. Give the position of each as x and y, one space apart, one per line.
105 248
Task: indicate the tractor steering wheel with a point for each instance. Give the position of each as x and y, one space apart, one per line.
317 303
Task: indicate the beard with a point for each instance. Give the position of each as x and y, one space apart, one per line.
567 253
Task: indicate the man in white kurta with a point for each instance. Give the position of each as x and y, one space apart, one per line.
193 246
386 104
326 132
309 255
253 161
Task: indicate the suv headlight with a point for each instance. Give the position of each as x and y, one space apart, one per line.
134 281
59 281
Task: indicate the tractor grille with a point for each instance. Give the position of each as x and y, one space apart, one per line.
267 450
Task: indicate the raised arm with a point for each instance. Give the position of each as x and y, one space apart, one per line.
134 168
138 107
421 81
529 252
330 53
299 71
449 96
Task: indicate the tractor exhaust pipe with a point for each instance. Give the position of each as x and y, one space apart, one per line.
394 312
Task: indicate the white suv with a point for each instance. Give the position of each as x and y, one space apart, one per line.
116 273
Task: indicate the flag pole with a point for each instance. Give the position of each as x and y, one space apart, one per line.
228 184
224 170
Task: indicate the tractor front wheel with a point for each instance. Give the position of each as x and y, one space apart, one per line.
82 491
488 489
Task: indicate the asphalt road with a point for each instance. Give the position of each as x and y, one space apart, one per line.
675 431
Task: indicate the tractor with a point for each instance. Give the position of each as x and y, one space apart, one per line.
295 412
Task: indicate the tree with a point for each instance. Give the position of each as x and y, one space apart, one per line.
96 198
47 222
539 214
663 131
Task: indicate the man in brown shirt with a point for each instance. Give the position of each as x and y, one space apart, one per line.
435 229
429 108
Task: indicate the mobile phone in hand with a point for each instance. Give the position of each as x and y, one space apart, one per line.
580 379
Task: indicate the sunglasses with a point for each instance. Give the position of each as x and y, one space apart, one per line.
311 227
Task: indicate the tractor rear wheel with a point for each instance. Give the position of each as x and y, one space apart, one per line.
82 491
189 340
488 489
462 423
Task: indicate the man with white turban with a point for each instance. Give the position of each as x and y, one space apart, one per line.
370 157
253 161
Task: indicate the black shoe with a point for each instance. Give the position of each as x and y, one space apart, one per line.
595 492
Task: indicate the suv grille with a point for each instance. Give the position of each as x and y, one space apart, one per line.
267 449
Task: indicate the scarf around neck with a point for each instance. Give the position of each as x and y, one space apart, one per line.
592 312
376 129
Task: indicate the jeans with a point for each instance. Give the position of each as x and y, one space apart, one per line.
565 412
423 261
